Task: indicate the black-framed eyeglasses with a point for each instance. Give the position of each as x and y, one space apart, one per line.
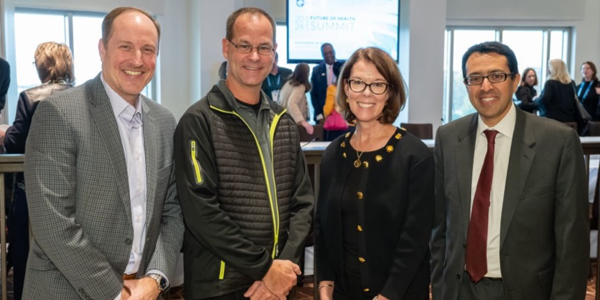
358 86
493 78
245 48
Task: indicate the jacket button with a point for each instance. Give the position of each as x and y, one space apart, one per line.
458 276
359 228
465 245
366 290
128 241
360 195
362 260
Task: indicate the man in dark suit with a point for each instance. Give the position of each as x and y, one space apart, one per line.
99 178
275 81
4 81
323 75
511 219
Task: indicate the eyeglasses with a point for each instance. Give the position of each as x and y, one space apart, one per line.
493 78
245 48
377 88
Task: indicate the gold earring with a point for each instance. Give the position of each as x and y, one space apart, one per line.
346 100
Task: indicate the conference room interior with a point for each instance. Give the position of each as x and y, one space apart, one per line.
432 37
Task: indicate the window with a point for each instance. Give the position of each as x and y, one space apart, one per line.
532 46
81 31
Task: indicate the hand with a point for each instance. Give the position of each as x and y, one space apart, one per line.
598 90
258 291
145 288
125 293
281 277
326 291
309 128
382 297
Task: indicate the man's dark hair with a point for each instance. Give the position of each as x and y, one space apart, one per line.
326 44
492 47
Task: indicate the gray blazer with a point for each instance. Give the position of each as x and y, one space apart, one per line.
544 236
78 197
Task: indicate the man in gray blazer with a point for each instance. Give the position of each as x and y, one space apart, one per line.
99 178
511 208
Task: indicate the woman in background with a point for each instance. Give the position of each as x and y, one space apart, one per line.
557 100
54 66
376 202
526 91
586 91
293 96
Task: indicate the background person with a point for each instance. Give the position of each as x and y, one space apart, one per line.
586 91
526 91
4 81
293 96
557 98
275 80
375 210
323 75
54 65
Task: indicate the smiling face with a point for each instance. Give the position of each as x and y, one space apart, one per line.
491 100
129 55
365 105
328 54
247 71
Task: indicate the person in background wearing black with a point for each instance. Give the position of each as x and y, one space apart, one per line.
323 75
4 81
274 82
526 91
54 65
557 98
586 91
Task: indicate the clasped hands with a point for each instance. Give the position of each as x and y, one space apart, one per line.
144 288
278 282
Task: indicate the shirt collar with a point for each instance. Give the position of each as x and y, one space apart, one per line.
121 108
506 126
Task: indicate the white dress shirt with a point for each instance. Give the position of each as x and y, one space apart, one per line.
504 137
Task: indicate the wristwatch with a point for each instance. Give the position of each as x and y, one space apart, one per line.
160 280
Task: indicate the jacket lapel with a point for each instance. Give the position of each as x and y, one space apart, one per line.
522 154
105 121
151 142
464 168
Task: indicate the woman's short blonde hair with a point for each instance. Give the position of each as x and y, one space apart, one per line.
54 62
389 70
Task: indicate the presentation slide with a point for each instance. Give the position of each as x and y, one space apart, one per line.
346 24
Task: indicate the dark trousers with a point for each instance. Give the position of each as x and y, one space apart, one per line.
485 289
18 229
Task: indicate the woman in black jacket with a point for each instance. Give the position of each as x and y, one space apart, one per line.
557 100
54 65
526 91
375 208
586 91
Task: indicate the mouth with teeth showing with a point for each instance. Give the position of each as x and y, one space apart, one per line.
365 105
487 99
133 73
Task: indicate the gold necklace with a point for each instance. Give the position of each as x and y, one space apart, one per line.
357 162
